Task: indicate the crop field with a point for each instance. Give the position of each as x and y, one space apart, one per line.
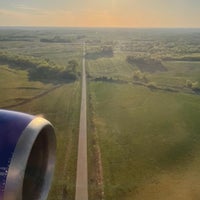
143 106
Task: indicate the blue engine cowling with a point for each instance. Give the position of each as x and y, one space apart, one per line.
27 156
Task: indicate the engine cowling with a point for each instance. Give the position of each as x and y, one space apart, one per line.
27 156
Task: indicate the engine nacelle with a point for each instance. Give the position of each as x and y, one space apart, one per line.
27 156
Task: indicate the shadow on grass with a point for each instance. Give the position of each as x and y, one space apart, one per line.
44 75
179 153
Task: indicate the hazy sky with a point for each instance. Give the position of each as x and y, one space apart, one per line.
100 13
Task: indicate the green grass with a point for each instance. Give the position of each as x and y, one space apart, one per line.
15 86
177 74
143 136
146 137
115 67
61 108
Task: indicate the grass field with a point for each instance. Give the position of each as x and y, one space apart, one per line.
115 68
146 137
61 107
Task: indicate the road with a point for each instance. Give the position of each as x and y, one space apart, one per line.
82 170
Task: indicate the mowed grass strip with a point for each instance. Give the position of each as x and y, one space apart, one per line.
146 138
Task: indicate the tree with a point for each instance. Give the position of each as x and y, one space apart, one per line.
72 66
71 73
188 84
191 84
139 76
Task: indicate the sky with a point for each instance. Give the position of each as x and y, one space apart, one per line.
101 13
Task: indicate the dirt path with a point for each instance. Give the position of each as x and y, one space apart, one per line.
32 98
82 171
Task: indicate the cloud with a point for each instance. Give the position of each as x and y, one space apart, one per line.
29 10
34 17
26 8
8 12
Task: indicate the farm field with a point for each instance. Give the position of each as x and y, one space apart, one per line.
149 141
143 105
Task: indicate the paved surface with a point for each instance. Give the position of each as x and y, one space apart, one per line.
82 171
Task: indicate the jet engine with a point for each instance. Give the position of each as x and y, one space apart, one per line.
27 156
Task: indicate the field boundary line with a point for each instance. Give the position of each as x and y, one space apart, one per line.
32 98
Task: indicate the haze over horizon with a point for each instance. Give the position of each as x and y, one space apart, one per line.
101 13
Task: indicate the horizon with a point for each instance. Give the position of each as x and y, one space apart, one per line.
95 27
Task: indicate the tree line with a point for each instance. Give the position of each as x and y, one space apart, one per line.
56 39
42 69
146 64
